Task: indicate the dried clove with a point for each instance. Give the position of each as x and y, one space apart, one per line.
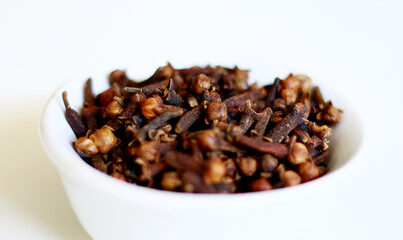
148 151
217 111
330 114
291 178
201 83
114 109
248 166
298 152
137 98
189 118
183 161
261 185
321 158
89 98
171 181
170 96
308 171
193 182
85 147
152 107
253 95
271 94
159 122
276 149
106 97
128 111
74 119
215 170
104 139
248 117
151 89
263 119
90 116
205 130
149 170
269 163
119 176
98 163
118 77
317 98
208 140
302 135
160 75
296 117
215 96
304 82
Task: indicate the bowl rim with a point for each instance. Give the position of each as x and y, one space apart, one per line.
130 192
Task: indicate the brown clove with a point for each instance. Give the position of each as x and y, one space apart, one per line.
263 119
89 98
189 118
253 95
248 117
170 96
296 117
74 119
276 149
159 121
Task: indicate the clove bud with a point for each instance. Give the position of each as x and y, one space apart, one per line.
205 130
104 139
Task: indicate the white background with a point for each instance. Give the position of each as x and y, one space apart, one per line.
356 45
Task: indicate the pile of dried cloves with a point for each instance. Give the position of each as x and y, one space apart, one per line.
205 130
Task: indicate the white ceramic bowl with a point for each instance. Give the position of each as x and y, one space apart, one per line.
112 209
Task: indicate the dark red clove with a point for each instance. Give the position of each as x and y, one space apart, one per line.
90 116
276 149
193 182
170 96
89 98
253 95
317 98
219 144
263 119
74 119
106 97
118 77
271 94
98 163
151 89
189 118
161 74
159 121
248 117
296 117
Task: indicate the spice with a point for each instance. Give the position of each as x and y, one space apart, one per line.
268 163
291 178
86 147
201 83
189 118
205 130
74 119
104 139
261 185
248 166
170 181
217 111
